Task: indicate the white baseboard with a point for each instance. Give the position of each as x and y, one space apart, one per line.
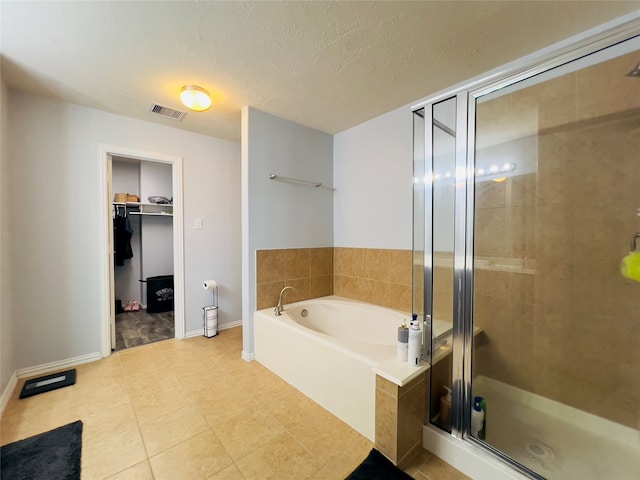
44 368
249 357
8 391
228 325
222 326
50 367
193 333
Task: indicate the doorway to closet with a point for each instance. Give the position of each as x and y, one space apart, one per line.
142 213
140 174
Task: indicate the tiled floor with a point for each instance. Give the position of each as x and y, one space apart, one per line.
193 409
139 328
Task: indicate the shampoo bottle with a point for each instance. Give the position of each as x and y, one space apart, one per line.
445 409
477 418
415 343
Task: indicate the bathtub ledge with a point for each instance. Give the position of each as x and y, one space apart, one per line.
400 373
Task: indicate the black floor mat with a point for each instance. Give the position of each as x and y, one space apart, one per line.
377 467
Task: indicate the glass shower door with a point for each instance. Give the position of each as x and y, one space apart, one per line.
434 201
557 192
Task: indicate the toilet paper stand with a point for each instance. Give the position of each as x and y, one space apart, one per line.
210 312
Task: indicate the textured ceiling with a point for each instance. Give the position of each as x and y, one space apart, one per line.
327 65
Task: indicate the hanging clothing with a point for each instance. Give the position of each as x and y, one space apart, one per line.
122 233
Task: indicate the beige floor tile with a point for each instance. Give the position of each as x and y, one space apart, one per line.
140 471
152 382
198 458
280 458
168 430
27 424
321 433
108 421
417 461
229 473
337 468
150 405
244 433
435 469
170 397
55 399
225 408
89 401
112 454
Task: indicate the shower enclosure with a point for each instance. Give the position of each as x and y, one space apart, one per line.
526 199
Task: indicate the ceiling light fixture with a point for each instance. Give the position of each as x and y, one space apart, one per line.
195 98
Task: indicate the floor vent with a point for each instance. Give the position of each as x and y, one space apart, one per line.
167 112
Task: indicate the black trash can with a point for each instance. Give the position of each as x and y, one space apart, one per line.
160 294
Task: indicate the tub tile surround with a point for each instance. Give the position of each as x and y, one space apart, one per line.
400 414
378 276
569 224
308 270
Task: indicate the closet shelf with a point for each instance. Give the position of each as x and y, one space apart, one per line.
139 208
157 214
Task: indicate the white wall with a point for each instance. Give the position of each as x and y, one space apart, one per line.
372 176
279 214
7 350
54 156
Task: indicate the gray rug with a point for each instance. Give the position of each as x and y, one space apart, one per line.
53 455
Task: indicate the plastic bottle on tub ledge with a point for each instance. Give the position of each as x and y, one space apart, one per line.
403 342
415 342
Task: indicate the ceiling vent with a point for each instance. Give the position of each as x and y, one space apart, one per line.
167 112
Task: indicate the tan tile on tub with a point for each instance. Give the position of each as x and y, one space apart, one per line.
270 266
320 286
376 263
400 266
267 294
296 263
320 261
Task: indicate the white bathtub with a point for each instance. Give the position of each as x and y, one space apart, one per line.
330 353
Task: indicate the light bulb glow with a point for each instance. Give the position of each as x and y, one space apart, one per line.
195 98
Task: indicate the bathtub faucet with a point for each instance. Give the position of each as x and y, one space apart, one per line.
280 308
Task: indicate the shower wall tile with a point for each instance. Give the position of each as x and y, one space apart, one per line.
492 236
556 101
604 89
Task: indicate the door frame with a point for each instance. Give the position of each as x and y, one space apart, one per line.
106 262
